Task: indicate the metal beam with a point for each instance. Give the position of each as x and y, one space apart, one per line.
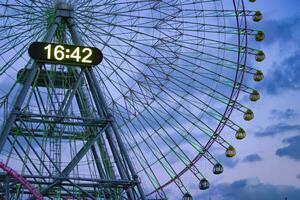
121 166
23 92
105 180
82 97
98 163
67 170
76 39
6 186
87 123
101 112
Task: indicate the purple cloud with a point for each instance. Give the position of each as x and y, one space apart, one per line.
292 150
277 129
250 189
252 158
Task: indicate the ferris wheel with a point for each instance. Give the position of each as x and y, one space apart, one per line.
103 99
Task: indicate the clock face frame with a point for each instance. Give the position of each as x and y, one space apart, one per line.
65 54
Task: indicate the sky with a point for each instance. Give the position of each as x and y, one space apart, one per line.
268 164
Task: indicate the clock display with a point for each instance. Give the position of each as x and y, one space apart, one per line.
65 54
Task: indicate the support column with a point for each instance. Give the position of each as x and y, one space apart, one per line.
6 186
24 90
90 75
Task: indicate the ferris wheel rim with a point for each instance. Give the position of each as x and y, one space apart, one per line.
231 104
229 108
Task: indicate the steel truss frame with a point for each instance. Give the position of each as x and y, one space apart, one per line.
129 181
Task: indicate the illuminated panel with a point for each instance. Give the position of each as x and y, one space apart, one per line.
65 54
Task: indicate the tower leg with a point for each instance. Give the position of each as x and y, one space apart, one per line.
92 79
120 156
23 92
6 186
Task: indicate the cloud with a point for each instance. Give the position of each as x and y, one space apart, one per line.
252 158
298 176
292 150
277 129
228 162
284 76
286 27
250 189
284 114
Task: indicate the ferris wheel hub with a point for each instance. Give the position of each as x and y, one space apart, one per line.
139 122
63 5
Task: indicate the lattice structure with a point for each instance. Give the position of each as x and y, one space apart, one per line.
148 118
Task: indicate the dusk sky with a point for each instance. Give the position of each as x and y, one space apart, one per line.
153 80
268 162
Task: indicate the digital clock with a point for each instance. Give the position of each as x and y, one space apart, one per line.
65 54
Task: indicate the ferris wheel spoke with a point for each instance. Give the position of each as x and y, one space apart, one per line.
171 75
192 122
195 100
142 160
25 164
120 53
135 48
6 27
186 130
17 7
211 28
120 5
179 124
161 159
18 55
172 149
16 38
204 13
131 30
154 147
209 55
227 81
25 152
30 145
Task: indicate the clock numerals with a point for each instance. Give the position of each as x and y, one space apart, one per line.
86 59
59 53
76 54
65 54
48 49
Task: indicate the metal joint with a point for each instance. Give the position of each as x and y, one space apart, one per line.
64 10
